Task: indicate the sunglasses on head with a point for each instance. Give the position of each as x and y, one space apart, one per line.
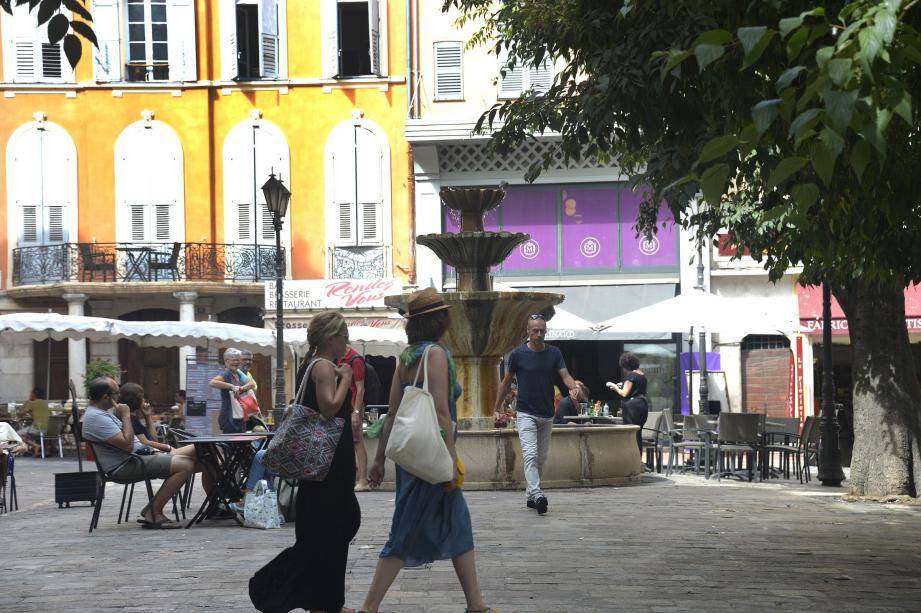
537 316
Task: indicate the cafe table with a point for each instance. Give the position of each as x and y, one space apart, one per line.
595 419
227 458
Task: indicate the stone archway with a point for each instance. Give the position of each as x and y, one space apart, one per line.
156 369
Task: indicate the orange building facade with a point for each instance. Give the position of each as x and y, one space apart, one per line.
130 187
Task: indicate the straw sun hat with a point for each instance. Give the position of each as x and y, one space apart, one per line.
423 302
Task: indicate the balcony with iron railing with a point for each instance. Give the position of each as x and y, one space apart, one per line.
143 262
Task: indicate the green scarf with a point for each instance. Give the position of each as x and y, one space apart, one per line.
413 353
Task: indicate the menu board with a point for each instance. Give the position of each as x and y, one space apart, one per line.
198 393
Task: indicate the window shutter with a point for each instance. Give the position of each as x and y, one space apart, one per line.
29 225
162 220
329 30
107 59
268 39
540 78
137 223
180 20
343 186
55 224
374 35
51 61
449 84
244 221
229 67
369 187
25 70
511 80
268 228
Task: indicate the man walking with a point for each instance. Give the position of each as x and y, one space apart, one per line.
536 366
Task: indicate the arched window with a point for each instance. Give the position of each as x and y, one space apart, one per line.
41 185
358 185
149 184
252 150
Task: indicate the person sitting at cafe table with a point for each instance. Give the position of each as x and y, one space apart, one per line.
10 440
132 394
567 406
36 409
100 426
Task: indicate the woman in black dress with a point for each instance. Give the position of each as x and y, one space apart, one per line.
311 574
634 407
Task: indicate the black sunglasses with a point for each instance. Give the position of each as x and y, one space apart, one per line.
538 316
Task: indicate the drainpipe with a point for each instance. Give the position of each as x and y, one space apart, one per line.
409 60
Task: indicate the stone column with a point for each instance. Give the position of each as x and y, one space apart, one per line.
186 313
76 348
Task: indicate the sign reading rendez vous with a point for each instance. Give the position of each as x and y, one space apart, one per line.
332 293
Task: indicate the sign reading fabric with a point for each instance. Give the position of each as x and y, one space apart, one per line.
332 293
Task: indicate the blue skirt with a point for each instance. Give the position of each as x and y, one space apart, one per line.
428 523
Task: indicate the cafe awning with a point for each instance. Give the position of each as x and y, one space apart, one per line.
810 310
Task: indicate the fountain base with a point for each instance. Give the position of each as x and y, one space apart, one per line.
580 456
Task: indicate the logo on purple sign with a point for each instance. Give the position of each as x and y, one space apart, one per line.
529 250
649 246
590 247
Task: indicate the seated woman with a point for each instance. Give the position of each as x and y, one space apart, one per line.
567 406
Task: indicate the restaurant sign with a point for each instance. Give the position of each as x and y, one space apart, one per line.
303 295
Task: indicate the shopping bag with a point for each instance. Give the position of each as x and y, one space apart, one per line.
249 405
415 441
261 507
304 445
374 430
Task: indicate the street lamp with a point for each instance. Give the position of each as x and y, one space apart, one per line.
830 472
276 200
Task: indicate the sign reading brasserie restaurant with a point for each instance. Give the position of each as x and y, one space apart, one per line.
302 295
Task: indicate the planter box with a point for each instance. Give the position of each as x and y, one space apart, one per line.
75 487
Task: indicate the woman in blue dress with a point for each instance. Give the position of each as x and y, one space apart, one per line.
430 522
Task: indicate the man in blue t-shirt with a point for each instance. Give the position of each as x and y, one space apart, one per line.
536 365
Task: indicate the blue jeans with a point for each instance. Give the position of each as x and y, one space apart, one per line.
257 471
534 434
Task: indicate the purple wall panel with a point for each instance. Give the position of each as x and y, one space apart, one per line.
532 211
589 228
661 250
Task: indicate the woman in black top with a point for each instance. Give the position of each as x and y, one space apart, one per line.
311 574
634 407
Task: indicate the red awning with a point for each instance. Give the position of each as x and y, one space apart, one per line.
810 310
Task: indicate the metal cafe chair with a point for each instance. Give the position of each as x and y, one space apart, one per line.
738 433
55 430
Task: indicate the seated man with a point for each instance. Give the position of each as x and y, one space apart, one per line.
100 426
35 408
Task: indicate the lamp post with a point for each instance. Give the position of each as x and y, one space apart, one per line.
276 199
830 472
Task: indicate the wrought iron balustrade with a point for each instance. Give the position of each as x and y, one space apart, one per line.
142 262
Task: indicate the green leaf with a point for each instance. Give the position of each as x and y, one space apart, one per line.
47 9
826 152
840 107
85 31
706 54
675 57
784 170
713 37
749 37
755 54
774 213
789 24
795 44
860 157
804 121
72 49
713 182
885 25
717 148
787 77
57 28
823 55
77 7
839 69
832 140
764 113
870 44
903 108
805 195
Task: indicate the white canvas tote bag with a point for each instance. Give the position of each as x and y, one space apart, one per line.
415 441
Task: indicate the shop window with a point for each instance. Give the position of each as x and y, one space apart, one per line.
765 341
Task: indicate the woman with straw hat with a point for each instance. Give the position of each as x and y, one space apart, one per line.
430 521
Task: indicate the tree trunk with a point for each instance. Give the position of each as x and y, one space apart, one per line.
887 394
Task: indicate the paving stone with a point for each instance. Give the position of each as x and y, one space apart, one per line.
670 544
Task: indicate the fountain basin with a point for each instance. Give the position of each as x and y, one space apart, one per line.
580 456
472 254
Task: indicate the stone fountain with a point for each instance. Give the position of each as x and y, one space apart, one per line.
485 326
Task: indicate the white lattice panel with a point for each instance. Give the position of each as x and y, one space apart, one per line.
476 157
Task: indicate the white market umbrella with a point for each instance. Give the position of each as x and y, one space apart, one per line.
195 334
41 326
367 340
565 325
698 308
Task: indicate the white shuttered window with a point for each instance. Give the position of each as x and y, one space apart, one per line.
449 75
521 78
357 179
28 57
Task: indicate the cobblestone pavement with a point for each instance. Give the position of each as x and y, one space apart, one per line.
670 544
